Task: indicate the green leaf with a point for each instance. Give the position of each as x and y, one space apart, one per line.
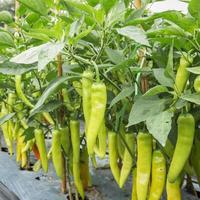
115 56
107 5
10 68
6 17
123 94
38 36
42 54
7 117
48 55
194 70
49 107
134 33
156 90
162 78
194 98
38 6
29 134
145 107
160 125
50 90
194 9
116 14
6 40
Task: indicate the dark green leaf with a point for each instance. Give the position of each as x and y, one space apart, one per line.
194 9
38 6
145 107
126 92
50 90
194 70
115 56
160 125
156 90
10 68
134 33
162 78
5 118
194 98
49 107
29 134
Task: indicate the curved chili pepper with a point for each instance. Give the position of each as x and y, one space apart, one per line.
113 155
40 142
158 175
173 190
75 137
144 146
127 159
134 189
186 130
182 74
98 107
57 153
65 140
197 84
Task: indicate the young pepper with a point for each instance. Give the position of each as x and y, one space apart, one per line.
57 153
134 189
113 155
182 74
197 84
40 142
173 190
144 147
75 138
186 130
98 107
158 175
127 159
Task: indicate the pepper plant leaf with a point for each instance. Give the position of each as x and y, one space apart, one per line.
7 117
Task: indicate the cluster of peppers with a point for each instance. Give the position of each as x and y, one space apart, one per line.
129 153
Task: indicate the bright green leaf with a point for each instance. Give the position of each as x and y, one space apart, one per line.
160 125
156 90
194 98
5 118
194 9
194 70
6 40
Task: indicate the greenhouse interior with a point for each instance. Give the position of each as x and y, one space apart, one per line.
99 99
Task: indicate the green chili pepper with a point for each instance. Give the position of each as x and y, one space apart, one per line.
75 138
158 175
120 144
113 155
40 142
98 106
182 73
173 190
87 80
134 189
65 140
100 147
186 130
197 84
57 157
144 146
127 159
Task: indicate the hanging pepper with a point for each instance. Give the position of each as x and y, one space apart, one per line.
186 130
65 140
144 147
197 84
98 107
22 96
40 142
84 167
100 147
113 155
127 159
134 189
57 153
182 74
75 138
87 80
158 175
173 190
120 144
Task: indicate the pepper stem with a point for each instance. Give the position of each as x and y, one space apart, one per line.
97 71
